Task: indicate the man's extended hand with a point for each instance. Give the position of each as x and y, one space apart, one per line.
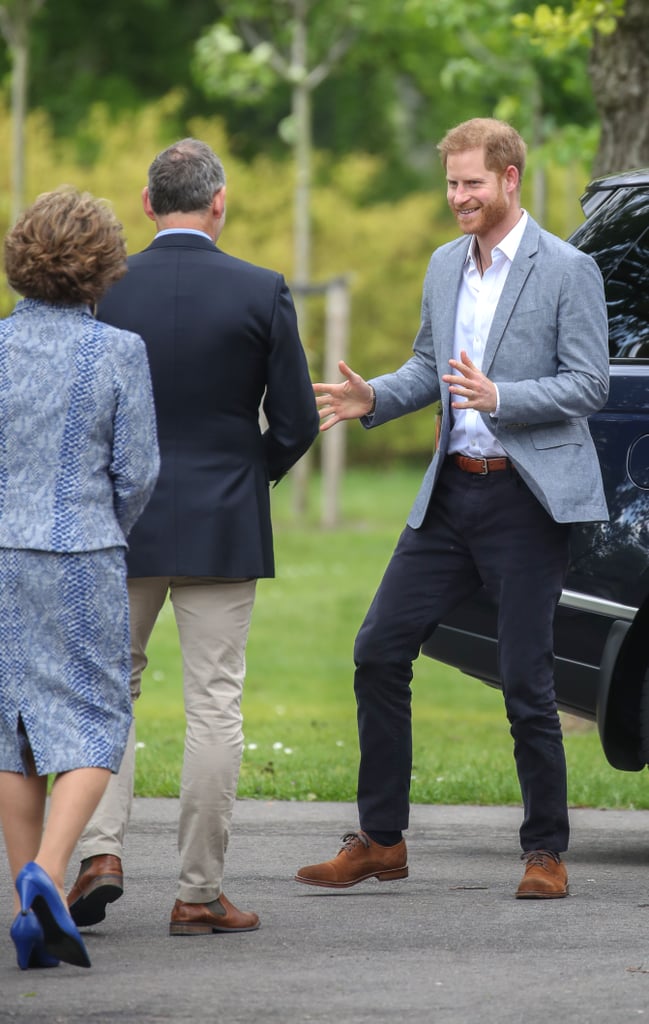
347 401
470 383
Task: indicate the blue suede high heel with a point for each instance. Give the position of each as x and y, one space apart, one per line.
27 936
61 938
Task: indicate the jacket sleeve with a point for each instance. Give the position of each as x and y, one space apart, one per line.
136 462
289 403
414 385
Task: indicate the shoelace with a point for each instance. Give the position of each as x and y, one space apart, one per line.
539 858
352 839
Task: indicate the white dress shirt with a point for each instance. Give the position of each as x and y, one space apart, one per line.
183 231
476 305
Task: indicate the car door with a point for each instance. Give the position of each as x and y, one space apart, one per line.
608 584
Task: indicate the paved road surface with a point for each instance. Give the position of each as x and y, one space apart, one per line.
448 945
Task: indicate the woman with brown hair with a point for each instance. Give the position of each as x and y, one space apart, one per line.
78 462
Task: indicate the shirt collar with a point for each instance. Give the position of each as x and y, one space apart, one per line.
508 245
183 231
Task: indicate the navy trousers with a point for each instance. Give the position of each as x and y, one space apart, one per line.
479 530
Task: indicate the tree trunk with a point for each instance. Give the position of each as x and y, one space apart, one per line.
15 19
334 441
619 71
18 115
302 224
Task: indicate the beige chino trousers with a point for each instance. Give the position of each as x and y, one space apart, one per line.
213 619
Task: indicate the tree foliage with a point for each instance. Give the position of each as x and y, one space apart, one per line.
383 247
557 29
419 67
102 104
15 22
123 53
410 69
616 35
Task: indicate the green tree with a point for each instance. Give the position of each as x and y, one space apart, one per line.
619 68
411 69
297 43
123 53
616 35
15 22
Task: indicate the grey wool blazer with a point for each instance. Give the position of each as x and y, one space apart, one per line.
548 353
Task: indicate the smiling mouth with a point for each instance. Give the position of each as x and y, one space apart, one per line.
467 213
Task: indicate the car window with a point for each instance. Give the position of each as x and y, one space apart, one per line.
617 236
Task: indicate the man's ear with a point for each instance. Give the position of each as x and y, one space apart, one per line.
512 178
146 203
218 203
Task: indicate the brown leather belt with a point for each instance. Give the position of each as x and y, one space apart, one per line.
481 466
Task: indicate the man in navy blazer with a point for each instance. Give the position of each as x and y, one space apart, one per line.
513 341
222 342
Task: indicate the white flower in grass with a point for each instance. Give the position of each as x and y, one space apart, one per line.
278 746
340 743
140 746
158 675
288 750
251 746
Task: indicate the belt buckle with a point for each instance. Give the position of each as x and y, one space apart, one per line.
485 467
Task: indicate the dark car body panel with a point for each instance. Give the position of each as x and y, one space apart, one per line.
602 623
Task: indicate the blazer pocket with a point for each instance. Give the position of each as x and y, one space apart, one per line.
556 437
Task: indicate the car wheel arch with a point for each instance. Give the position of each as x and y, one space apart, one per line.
623 693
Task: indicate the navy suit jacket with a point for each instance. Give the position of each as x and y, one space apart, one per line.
222 340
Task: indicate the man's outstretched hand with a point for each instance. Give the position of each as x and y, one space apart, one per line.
469 384
347 401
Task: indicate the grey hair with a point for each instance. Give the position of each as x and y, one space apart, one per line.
184 178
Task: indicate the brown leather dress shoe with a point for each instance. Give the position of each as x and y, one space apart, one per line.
204 918
545 877
358 859
100 881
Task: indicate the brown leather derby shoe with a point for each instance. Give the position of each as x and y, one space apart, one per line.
204 918
545 877
100 881
358 859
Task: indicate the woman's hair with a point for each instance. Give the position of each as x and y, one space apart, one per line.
502 144
66 248
184 178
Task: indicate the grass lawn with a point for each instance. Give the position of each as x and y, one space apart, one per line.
299 710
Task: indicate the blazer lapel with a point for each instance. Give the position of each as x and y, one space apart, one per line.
447 288
518 273
447 291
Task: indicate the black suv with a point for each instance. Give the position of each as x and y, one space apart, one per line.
602 624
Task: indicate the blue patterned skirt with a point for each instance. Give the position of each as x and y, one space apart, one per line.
64 660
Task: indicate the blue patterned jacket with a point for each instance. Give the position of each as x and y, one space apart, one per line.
78 445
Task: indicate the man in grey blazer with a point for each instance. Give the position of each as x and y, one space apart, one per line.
222 340
513 341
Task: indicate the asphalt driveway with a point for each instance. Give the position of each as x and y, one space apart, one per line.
448 944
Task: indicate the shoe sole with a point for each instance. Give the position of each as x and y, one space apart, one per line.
91 907
58 941
383 876
186 928
539 894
